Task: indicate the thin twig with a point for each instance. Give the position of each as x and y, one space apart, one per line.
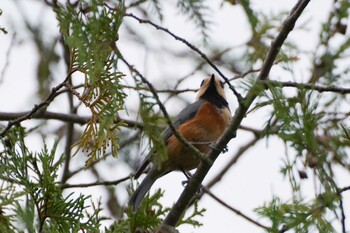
239 76
236 211
122 144
37 107
97 183
191 46
271 129
72 118
233 161
195 182
7 58
341 206
344 189
72 110
137 3
69 89
176 133
242 75
172 91
309 86
343 217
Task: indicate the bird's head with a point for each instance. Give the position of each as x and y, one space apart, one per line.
212 90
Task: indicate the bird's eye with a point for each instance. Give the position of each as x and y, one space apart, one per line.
222 84
202 82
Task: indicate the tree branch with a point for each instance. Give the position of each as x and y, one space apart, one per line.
72 110
344 189
308 86
239 213
176 133
97 183
270 129
72 118
195 182
233 161
7 58
191 46
37 107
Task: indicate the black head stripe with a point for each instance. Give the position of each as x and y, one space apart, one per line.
212 80
211 94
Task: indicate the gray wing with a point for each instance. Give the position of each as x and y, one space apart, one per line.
186 114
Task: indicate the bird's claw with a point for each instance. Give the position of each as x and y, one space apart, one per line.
200 190
224 150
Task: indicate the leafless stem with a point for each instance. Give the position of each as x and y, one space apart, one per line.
191 46
121 145
233 161
37 107
97 183
344 189
176 133
309 86
7 57
72 118
236 211
195 182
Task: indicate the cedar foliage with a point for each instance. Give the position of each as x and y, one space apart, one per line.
99 81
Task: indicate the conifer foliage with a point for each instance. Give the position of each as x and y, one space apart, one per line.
106 77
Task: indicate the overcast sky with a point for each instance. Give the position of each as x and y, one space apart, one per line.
256 178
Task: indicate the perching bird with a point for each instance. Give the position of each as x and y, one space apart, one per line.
200 123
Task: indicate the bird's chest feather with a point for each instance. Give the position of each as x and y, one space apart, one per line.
208 124
202 130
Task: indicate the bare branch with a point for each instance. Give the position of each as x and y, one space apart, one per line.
242 75
7 59
176 133
233 161
191 46
308 86
195 182
137 3
37 107
72 118
344 189
271 129
47 115
236 211
97 183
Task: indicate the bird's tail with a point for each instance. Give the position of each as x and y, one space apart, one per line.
140 192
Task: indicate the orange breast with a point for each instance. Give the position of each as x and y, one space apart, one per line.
205 127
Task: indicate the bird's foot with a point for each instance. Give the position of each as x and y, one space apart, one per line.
224 150
200 190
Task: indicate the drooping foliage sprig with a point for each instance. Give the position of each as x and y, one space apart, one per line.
91 35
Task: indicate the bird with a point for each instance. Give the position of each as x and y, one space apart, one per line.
200 123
